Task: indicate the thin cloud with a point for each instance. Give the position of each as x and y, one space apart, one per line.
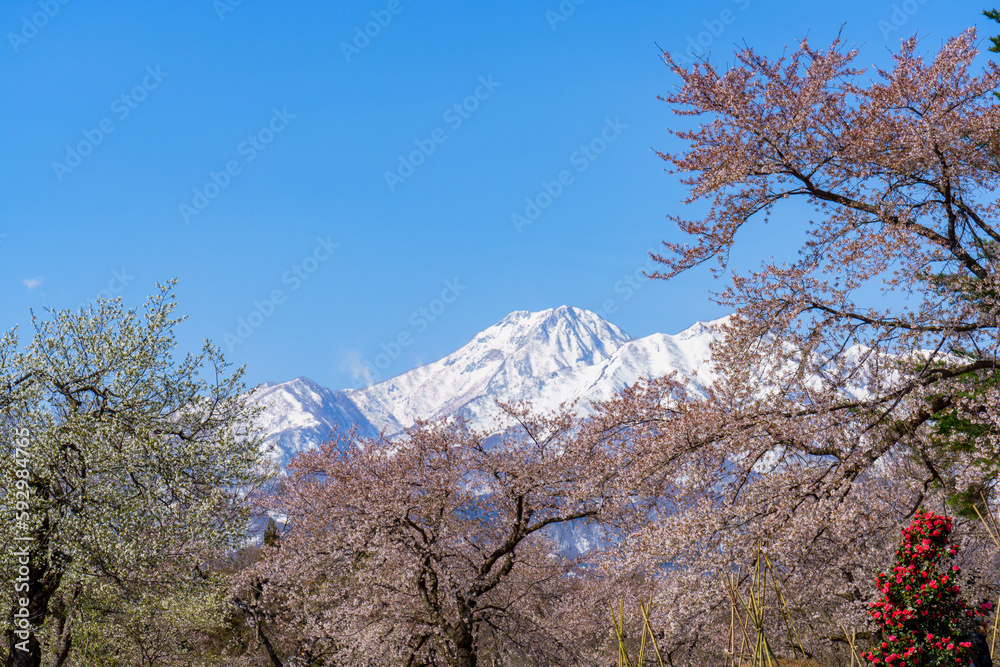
355 364
32 283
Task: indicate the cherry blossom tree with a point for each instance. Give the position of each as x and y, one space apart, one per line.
901 169
836 410
443 547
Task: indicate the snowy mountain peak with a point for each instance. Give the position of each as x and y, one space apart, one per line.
514 359
572 334
557 357
711 328
553 315
300 385
299 414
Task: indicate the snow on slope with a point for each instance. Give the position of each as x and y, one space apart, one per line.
558 356
686 353
512 360
300 414
551 357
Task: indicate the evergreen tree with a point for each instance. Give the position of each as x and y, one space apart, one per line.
995 40
271 535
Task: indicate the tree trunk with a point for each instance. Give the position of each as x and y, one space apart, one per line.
271 653
60 652
465 646
465 656
43 578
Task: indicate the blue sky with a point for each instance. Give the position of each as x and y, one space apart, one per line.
332 182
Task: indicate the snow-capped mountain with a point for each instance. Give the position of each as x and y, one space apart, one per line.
558 356
686 353
300 414
516 359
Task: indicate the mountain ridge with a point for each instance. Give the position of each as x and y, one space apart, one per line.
558 356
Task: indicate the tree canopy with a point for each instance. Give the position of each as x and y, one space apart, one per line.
124 468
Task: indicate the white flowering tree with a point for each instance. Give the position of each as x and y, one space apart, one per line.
121 472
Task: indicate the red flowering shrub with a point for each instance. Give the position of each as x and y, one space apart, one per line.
925 621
